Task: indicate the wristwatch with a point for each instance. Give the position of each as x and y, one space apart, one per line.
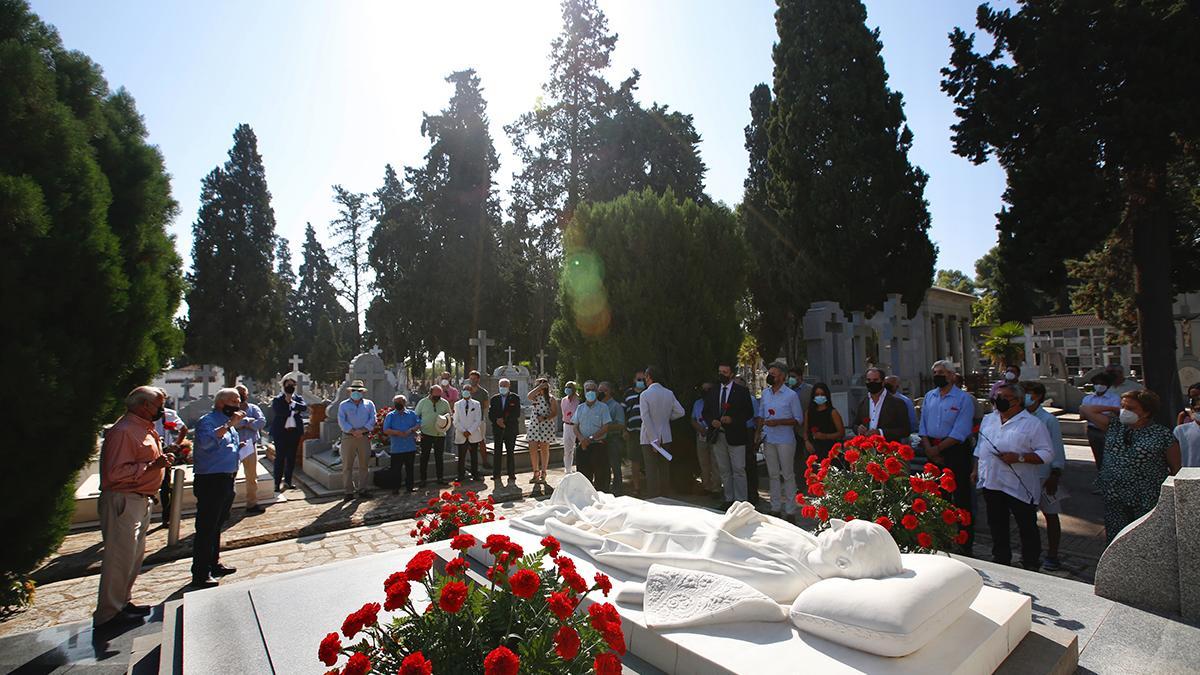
1021 457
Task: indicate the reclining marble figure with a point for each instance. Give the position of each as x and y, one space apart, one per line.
703 567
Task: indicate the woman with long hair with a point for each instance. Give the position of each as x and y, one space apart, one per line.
541 428
823 425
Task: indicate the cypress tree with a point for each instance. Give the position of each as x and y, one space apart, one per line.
351 232
316 301
850 203
235 317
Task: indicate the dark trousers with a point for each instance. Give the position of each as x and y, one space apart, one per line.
612 473
591 460
506 438
286 447
999 506
214 497
472 449
402 463
1095 439
958 460
751 473
164 495
435 445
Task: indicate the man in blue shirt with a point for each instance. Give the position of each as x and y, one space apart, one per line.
710 476
356 417
779 413
591 422
892 384
401 426
248 430
216 465
947 416
615 439
1051 504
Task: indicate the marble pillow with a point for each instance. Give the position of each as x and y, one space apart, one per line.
892 616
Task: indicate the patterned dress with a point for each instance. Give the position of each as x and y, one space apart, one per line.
539 431
1135 465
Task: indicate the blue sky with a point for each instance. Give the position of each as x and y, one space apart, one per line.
335 90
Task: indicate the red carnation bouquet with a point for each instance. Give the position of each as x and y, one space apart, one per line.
449 511
868 478
377 436
523 620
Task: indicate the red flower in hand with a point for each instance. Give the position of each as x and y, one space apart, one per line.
566 643
359 664
909 522
328 651
607 663
924 540
452 596
415 664
501 661
524 583
561 605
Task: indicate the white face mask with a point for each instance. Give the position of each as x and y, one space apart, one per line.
445 383
1010 376
1128 417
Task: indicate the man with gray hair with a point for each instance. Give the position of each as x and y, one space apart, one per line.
131 470
248 430
947 417
504 412
592 420
216 465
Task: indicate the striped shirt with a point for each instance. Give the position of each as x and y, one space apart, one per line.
633 409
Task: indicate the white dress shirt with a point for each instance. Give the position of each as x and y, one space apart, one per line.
1023 434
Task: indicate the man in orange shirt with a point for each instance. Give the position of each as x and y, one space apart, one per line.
132 464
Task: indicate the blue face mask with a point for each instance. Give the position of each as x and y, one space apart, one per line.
356 395
1028 400
590 396
639 385
791 381
504 391
465 393
569 390
820 400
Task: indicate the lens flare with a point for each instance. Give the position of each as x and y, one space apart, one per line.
586 293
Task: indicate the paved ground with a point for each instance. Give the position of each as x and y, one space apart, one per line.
307 531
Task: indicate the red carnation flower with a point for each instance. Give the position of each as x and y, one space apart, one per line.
420 565
770 411
415 664
566 643
564 563
462 542
924 540
452 596
851 496
576 582
964 517
909 522
823 513
561 605
906 453
961 537
852 456
524 583
496 543
893 466
393 578
607 664
551 545
885 522
359 664
810 460
603 583
930 467
917 484
947 472
808 511
816 490
501 661
950 516
456 567
919 505
329 649
397 595
948 484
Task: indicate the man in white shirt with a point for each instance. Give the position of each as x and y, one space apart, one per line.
779 415
1013 445
567 407
1188 435
658 406
1052 493
468 431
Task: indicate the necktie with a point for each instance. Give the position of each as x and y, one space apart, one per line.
724 395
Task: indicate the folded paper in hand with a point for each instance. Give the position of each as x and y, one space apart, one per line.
661 450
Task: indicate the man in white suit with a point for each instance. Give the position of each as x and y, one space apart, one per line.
658 406
468 431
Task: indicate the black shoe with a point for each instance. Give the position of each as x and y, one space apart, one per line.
136 610
222 570
205 582
289 486
278 488
255 509
122 620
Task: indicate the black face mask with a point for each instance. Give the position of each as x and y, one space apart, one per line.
158 414
601 395
1002 404
291 389
723 378
940 381
874 387
229 410
891 389
770 380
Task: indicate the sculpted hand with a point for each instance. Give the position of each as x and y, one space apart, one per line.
741 513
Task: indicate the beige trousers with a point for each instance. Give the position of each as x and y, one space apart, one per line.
354 451
250 469
124 519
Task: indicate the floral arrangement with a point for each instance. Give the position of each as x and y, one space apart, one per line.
524 621
449 511
868 478
376 435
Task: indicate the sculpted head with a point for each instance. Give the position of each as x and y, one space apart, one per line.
855 550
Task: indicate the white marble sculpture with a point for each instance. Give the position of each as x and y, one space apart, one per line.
703 567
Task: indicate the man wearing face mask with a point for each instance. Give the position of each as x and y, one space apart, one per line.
633 428
1109 403
1188 436
1011 375
433 410
356 417
131 470
1052 495
1012 446
449 392
779 416
254 422
287 427
216 466
795 382
880 413
892 384
592 420
505 416
615 441
727 409
567 406
947 416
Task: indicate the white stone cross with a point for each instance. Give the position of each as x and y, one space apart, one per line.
482 342
206 373
296 361
187 389
541 362
376 350
510 351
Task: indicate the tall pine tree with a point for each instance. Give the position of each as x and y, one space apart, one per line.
402 262
351 232
285 275
850 204
325 349
235 315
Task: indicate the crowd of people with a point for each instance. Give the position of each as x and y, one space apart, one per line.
1013 455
